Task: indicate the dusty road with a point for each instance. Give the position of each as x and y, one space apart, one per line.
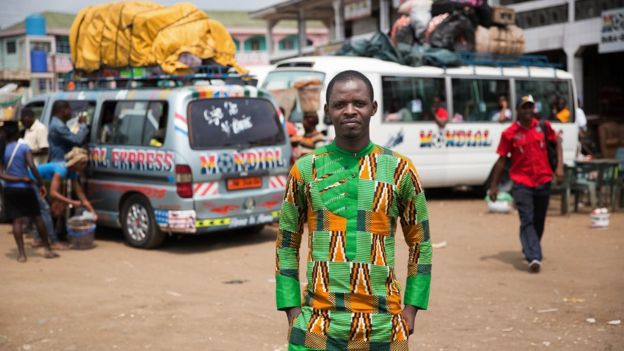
216 293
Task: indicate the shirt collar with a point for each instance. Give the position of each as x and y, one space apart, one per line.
358 154
534 123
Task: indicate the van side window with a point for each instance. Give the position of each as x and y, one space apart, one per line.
481 100
553 98
411 99
138 123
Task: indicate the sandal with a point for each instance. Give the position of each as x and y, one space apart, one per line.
50 254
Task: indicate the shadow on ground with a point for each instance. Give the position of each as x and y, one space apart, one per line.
512 258
189 243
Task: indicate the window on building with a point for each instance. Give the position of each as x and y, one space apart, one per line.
255 43
412 99
553 98
62 45
138 123
481 100
237 44
11 47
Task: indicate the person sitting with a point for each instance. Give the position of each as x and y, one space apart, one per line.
504 112
440 112
562 114
55 173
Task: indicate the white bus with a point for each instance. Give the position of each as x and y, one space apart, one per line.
463 152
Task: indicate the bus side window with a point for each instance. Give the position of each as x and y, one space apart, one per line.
553 98
412 99
481 100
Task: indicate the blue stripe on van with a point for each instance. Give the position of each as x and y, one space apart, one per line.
181 130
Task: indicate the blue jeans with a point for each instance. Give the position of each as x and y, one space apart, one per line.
47 219
532 204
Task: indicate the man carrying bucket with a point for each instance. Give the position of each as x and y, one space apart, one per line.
531 174
55 173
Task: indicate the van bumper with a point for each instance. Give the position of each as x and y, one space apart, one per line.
236 221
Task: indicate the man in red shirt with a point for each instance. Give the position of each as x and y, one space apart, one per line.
530 172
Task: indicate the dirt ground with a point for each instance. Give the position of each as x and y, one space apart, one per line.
217 292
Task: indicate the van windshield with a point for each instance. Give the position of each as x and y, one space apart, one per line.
233 122
281 84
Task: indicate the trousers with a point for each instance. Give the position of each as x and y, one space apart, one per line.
532 204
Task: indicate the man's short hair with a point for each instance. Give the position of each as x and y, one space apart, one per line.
59 106
346 76
27 112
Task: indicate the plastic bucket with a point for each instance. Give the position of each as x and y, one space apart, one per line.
599 220
80 234
35 25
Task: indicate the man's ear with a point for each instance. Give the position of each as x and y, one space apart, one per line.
326 109
374 107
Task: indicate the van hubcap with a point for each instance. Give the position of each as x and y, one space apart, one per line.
137 222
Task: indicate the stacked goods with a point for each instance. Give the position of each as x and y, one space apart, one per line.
309 90
504 37
142 34
457 26
500 40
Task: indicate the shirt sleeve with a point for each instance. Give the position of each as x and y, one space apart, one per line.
504 145
415 224
68 137
292 218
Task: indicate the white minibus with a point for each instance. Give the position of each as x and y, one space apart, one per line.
463 151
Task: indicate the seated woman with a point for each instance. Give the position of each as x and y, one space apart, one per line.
504 112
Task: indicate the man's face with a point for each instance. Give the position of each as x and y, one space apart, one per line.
28 121
350 109
67 112
525 113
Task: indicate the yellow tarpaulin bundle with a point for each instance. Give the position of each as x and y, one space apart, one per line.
141 33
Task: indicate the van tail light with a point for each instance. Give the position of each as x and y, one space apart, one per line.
184 181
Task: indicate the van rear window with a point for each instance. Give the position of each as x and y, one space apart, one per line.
233 122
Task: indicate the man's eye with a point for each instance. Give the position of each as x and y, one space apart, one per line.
360 104
339 104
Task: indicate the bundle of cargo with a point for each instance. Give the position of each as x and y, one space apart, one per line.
458 26
142 34
309 90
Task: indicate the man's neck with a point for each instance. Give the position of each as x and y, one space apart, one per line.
351 144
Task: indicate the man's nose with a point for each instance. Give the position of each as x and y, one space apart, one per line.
350 109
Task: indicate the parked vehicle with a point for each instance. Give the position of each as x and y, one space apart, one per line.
189 160
461 152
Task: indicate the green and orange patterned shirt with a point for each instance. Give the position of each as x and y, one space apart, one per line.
351 203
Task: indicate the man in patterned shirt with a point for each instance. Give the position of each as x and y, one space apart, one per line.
351 194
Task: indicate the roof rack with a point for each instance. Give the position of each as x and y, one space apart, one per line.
148 77
499 60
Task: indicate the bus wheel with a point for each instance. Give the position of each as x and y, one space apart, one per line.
139 225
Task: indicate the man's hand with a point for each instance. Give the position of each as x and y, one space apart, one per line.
43 191
409 315
82 119
292 313
493 192
559 173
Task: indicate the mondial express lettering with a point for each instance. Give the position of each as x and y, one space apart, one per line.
244 161
132 159
455 138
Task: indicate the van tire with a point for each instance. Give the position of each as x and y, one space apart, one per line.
139 225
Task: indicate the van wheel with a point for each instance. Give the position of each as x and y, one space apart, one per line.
254 230
139 225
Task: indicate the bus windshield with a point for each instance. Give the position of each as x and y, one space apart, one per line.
281 85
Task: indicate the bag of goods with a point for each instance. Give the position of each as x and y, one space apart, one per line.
507 41
455 33
503 203
309 90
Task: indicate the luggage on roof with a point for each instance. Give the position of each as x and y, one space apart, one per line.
142 33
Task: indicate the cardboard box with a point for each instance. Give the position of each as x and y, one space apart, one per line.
503 16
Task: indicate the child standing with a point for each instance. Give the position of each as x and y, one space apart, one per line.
20 197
